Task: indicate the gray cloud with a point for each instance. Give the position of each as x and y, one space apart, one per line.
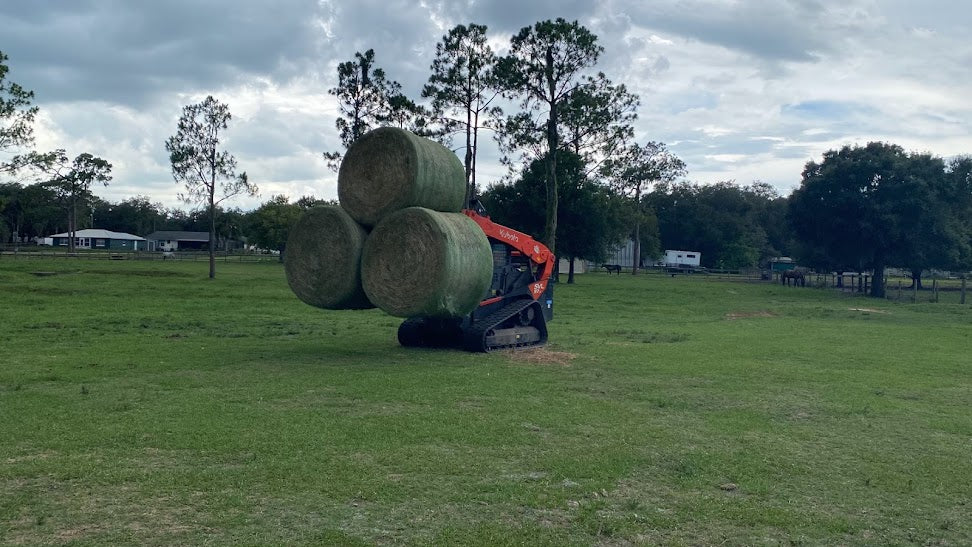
768 29
132 52
742 90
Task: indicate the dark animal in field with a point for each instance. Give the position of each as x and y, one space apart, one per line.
795 276
612 268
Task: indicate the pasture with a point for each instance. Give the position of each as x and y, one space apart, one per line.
141 403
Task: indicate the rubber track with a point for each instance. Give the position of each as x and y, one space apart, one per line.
474 339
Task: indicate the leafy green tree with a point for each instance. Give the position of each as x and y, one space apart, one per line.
269 225
771 217
16 119
407 114
543 68
723 221
135 215
596 120
11 211
958 188
207 173
71 181
633 173
27 211
859 205
365 98
931 229
593 216
463 88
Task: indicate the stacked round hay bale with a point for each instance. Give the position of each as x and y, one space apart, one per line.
323 257
390 169
423 257
419 262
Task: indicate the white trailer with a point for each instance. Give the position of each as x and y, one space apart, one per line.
682 259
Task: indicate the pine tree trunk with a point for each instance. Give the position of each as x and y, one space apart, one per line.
475 148
468 158
72 226
637 233
570 274
212 239
550 227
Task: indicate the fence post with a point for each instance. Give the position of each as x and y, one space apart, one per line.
899 290
935 289
914 283
963 289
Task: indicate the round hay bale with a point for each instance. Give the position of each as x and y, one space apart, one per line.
323 257
419 262
390 169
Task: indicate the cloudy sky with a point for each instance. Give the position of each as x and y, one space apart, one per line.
740 89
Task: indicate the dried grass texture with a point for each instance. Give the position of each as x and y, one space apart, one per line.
322 259
419 262
389 169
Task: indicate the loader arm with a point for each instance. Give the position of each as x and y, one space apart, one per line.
537 252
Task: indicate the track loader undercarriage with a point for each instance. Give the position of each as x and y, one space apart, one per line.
515 311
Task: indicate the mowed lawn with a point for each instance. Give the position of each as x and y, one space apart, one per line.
142 403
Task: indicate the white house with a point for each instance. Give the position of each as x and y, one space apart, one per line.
99 239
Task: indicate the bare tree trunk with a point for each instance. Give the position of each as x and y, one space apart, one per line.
570 272
550 227
72 225
467 163
212 238
637 233
475 149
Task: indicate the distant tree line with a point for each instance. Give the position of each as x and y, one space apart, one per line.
27 213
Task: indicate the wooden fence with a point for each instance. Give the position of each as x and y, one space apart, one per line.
221 256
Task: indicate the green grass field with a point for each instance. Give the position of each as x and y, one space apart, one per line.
141 403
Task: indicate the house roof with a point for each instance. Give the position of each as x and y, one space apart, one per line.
179 236
100 234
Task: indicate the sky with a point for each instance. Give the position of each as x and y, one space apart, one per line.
741 90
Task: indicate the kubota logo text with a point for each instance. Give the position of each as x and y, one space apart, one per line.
508 235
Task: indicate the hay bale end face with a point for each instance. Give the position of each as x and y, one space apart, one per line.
390 169
419 262
322 259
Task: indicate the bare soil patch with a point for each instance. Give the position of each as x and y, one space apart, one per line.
868 310
732 316
542 356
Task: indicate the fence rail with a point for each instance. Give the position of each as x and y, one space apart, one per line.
221 256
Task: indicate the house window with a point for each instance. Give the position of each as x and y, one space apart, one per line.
99 243
689 256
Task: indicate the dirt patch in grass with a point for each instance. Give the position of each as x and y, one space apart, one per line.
868 310
541 356
139 273
732 316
